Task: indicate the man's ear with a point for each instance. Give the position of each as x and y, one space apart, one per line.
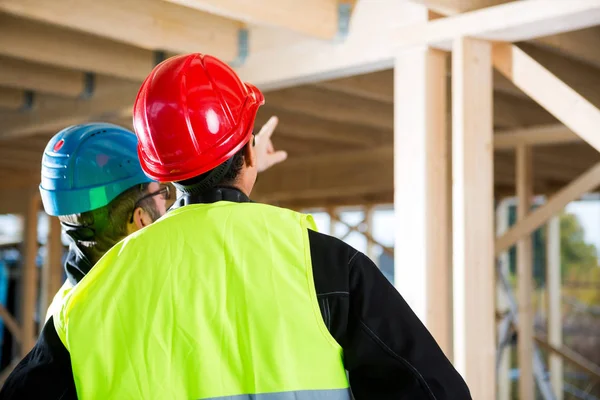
140 219
250 154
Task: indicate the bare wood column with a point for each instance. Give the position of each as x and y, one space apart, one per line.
52 271
422 268
473 216
371 246
554 304
30 276
502 303
524 275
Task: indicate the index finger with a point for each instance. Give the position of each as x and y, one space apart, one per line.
268 128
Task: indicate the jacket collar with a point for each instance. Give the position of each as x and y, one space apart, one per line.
212 196
77 264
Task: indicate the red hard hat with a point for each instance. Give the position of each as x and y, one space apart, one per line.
191 114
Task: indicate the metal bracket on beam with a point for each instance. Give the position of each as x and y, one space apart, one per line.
159 56
243 48
344 14
89 85
28 100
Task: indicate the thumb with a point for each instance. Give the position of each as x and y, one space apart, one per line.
277 157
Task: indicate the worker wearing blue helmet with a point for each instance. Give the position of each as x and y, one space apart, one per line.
92 181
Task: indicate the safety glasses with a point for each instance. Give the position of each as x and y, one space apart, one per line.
164 191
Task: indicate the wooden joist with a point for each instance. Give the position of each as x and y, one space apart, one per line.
40 78
47 44
562 101
12 99
316 18
148 24
511 22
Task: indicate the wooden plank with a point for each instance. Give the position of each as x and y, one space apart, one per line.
149 24
40 78
369 47
573 358
511 22
583 184
369 221
11 324
41 43
341 174
316 18
421 189
473 216
563 102
581 77
525 275
11 99
51 113
537 136
518 112
30 274
554 304
580 44
451 7
52 269
377 86
323 104
502 304
294 123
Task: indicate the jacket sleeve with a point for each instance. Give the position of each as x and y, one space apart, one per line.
44 373
388 351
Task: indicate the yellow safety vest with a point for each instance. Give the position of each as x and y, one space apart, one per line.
212 301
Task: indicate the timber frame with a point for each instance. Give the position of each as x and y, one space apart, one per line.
442 107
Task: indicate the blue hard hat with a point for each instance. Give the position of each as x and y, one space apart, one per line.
85 167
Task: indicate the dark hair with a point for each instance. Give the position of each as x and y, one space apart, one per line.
96 231
198 183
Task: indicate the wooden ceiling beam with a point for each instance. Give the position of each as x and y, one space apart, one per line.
316 18
112 98
377 86
341 174
295 124
40 78
12 99
320 103
534 136
41 43
582 45
149 24
511 22
518 112
451 7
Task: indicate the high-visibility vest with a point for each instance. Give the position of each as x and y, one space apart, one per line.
212 301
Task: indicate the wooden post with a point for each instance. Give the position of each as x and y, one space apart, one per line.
422 268
29 276
554 304
502 305
473 216
371 246
52 270
524 275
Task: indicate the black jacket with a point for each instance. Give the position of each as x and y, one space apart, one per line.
388 352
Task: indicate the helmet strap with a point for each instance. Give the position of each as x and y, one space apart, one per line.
204 182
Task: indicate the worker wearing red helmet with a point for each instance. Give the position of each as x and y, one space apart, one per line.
228 299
